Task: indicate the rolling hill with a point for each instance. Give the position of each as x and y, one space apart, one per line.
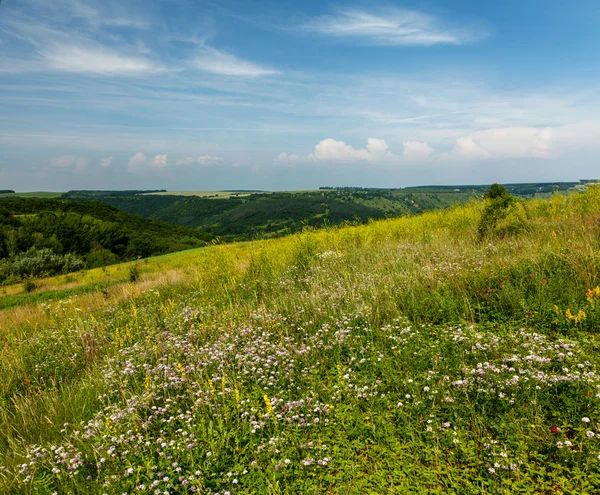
41 236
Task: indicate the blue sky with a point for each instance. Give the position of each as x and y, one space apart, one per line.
194 95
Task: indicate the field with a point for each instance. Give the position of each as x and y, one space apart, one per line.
408 355
203 194
40 194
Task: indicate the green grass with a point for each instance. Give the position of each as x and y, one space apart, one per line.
403 356
46 296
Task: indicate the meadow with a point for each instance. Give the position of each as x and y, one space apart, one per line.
408 355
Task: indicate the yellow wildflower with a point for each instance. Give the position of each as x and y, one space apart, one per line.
268 405
593 295
578 318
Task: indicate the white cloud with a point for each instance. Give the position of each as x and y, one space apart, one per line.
288 158
209 159
137 163
330 149
203 160
506 142
392 27
465 147
70 162
160 161
375 151
64 161
106 162
417 150
94 59
226 64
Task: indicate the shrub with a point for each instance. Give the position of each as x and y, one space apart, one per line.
40 262
29 285
503 214
134 273
101 257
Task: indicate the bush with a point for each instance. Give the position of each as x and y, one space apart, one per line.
29 285
134 273
503 214
101 257
40 262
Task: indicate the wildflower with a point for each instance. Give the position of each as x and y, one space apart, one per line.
268 405
585 420
555 429
590 434
576 318
592 295
491 470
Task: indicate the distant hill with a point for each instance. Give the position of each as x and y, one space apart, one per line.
37 234
246 214
85 193
278 213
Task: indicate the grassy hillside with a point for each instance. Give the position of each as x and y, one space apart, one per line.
242 217
40 236
409 355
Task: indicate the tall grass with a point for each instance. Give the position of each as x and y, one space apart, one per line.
406 355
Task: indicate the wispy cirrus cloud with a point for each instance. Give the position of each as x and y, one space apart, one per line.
74 37
218 62
95 59
392 27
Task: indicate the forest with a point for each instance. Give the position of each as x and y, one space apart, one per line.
44 237
273 214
